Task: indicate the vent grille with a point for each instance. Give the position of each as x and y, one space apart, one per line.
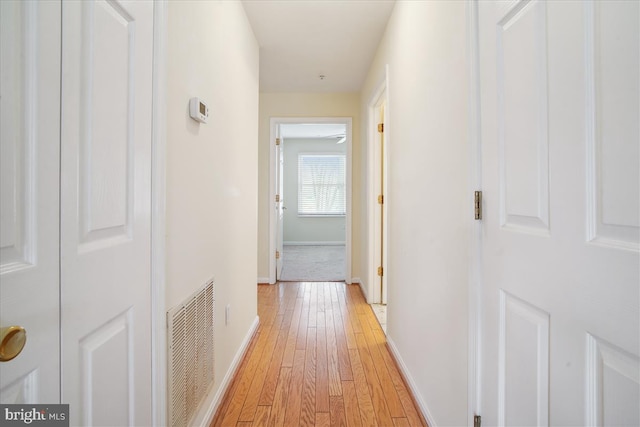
191 354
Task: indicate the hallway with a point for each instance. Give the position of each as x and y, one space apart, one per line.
318 358
492 180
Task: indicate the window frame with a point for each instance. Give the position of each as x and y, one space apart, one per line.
341 155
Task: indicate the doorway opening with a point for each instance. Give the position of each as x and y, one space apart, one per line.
310 223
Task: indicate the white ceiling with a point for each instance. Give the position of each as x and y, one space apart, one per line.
301 39
312 130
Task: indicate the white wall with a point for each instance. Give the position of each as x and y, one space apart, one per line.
305 105
427 199
307 229
212 168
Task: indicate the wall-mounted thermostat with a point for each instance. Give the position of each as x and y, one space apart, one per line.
198 110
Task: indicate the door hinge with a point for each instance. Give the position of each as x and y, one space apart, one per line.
277 141
380 271
477 421
477 204
277 254
380 199
381 127
277 197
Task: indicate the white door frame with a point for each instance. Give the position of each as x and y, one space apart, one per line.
379 97
279 152
158 218
474 372
274 122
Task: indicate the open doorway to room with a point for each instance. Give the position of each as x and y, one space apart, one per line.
312 188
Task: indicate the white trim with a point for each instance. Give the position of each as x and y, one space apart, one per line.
474 358
365 292
317 243
207 412
299 215
348 218
272 196
274 122
158 218
422 406
355 280
263 280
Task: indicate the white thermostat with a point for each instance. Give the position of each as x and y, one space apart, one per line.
198 110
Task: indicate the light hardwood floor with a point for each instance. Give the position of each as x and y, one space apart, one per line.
318 358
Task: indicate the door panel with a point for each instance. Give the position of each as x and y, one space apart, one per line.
107 116
523 362
106 372
560 161
29 261
105 227
612 115
522 119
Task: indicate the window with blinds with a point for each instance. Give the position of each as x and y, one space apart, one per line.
321 185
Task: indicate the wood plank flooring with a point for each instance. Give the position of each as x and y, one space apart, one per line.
319 358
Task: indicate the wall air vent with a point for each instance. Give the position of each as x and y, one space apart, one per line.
191 354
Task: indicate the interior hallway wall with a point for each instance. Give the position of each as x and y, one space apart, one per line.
306 105
426 137
211 201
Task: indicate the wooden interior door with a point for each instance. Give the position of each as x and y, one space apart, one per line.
382 207
106 211
560 161
29 219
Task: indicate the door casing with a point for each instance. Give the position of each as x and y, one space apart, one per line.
274 123
375 175
158 217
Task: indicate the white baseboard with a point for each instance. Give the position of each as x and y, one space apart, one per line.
422 406
205 415
363 288
263 280
329 243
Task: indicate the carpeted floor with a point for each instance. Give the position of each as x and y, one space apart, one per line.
313 264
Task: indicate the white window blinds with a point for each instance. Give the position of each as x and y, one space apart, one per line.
321 184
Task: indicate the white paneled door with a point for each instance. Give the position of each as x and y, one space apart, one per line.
80 180
29 235
105 211
560 160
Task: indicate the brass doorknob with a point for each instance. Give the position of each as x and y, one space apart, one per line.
12 341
